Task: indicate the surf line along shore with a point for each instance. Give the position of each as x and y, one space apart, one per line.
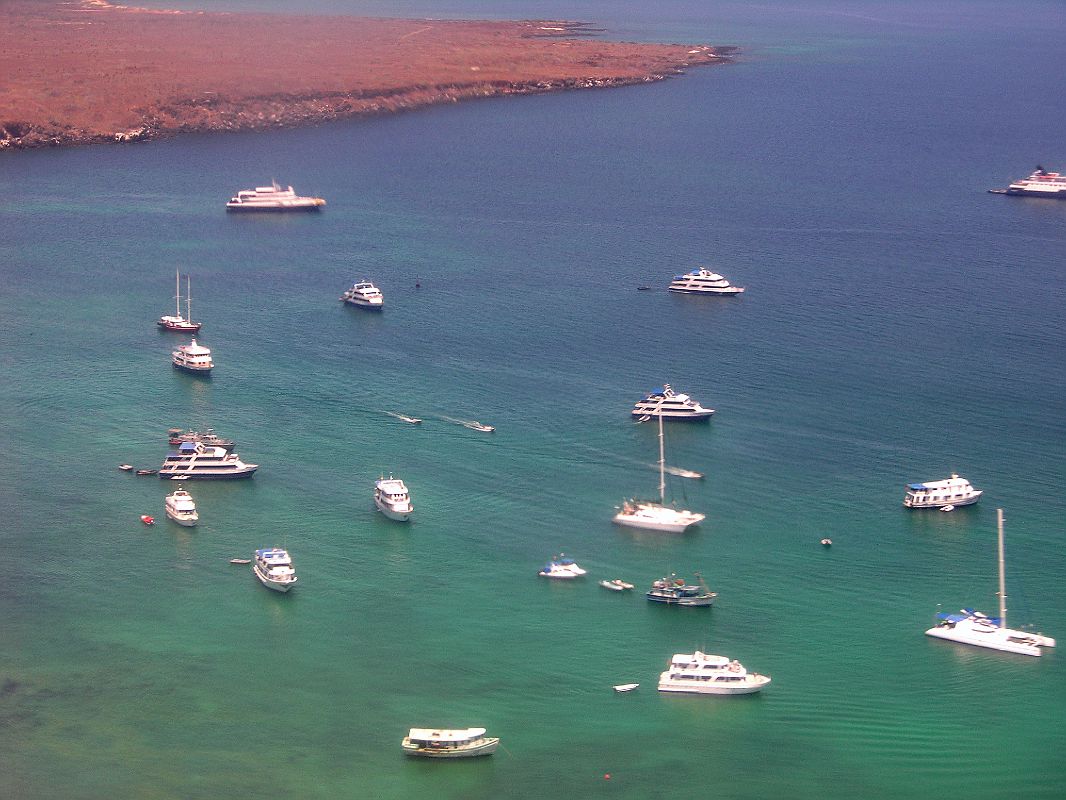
90 72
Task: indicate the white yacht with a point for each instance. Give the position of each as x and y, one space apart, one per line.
196 460
274 569
181 508
977 629
562 567
1040 184
443 743
177 322
392 498
665 402
273 198
703 281
954 491
194 358
364 295
700 673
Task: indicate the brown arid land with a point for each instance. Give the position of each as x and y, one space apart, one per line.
86 71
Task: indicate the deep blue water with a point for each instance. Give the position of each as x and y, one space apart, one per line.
899 324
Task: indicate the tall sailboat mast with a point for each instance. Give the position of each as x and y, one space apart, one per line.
188 298
662 461
177 293
1002 578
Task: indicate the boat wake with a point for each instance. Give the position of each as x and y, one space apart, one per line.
473 424
404 418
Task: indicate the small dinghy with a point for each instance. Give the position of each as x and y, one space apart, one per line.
827 542
947 508
622 688
616 585
126 467
146 472
147 520
240 561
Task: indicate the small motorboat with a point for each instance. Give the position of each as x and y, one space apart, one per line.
622 688
616 585
827 542
147 520
947 508
477 426
240 561
405 418
126 467
146 472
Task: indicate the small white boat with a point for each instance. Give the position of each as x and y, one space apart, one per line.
562 567
953 491
682 472
273 567
181 508
240 561
700 673
622 688
126 467
827 542
444 743
364 295
947 508
392 498
477 426
616 585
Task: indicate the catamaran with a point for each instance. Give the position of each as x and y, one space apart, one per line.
981 630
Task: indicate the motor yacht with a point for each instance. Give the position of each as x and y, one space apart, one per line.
703 281
1040 184
444 743
273 567
392 498
194 358
700 673
180 507
273 198
666 403
364 295
953 491
562 567
196 461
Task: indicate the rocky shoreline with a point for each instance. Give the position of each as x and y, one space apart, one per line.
93 73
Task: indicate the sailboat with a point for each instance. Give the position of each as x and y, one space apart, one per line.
657 516
177 322
980 630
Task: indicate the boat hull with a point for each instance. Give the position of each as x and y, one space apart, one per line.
203 372
248 208
203 475
651 524
756 683
700 601
673 416
966 501
391 513
992 637
486 749
727 291
182 519
365 305
277 586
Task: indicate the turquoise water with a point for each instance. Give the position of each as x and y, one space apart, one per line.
899 324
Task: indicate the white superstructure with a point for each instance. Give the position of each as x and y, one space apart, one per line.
273 567
180 507
703 281
364 295
666 403
194 358
392 498
953 491
196 460
273 198
445 743
1040 184
700 673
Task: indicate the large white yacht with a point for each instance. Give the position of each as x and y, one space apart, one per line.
180 507
392 498
194 358
953 491
364 295
273 567
443 743
196 460
272 198
700 673
703 281
1040 184
666 403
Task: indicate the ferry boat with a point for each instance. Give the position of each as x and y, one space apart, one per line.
703 281
181 508
562 567
194 358
700 673
177 322
273 198
443 743
666 403
196 460
364 295
954 491
392 498
175 436
273 567
1040 184
673 590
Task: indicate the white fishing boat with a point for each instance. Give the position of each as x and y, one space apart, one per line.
953 491
561 566
392 498
273 567
444 743
978 629
180 507
177 322
193 358
364 295
700 673
673 591
653 516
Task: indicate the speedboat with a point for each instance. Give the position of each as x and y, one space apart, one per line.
147 520
198 461
392 498
273 198
194 358
126 467
953 491
622 688
666 403
177 322
703 281
364 295
562 567
673 591
444 743
700 673
404 418
273 567
474 425
616 585
181 508
1040 184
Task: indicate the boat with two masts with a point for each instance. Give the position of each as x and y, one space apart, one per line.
273 198
445 743
364 295
273 567
980 630
701 673
180 507
953 491
1040 184
673 591
664 402
392 498
198 461
703 281
177 322
193 358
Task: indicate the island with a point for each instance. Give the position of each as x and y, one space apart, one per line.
88 71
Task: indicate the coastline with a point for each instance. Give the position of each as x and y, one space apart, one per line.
91 72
